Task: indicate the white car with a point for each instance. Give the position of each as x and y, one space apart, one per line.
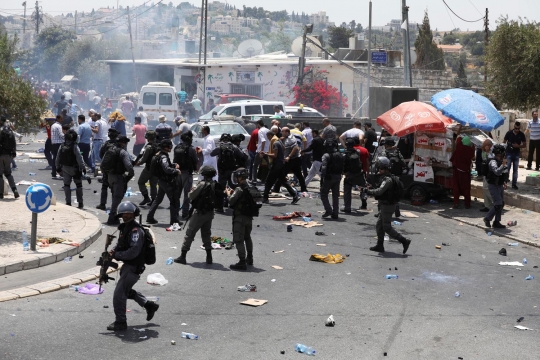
306 112
217 128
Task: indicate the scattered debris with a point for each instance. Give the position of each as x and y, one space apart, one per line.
277 252
273 280
139 329
329 258
302 224
277 267
391 276
330 321
408 214
105 306
321 244
520 327
512 223
320 233
530 277
291 215
513 244
520 319
156 279
438 247
91 289
173 342
445 244
254 302
511 263
502 252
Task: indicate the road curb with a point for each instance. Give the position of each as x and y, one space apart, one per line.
53 285
495 232
40 260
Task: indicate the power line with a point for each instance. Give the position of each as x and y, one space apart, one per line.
475 7
459 17
450 17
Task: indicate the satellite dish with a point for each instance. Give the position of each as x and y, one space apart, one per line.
249 48
236 54
311 49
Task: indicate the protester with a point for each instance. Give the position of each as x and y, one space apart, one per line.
329 130
486 154
515 141
84 133
461 163
533 129
138 131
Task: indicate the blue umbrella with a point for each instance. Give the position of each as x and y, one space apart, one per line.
468 108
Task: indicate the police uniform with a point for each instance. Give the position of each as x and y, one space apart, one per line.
70 162
6 156
331 173
146 175
118 182
387 205
224 175
167 186
497 176
242 226
352 179
185 178
163 131
113 134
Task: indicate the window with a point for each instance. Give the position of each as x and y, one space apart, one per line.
233 110
269 109
253 109
196 130
149 98
253 90
232 129
165 99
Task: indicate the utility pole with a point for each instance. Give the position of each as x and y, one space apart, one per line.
404 16
486 43
132 54
369 61
406 11
75 23
38 17
202 44
24 26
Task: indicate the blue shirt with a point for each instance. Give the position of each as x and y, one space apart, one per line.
120 126
85 133
182 95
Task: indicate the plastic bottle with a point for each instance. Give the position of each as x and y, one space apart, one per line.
246 288
530 277
169 261
391 276
396 222
457 294
31 174
513 244
74 288
129 190
190 336
524 261
386 238
432 201
25 243
308 350
152 298
67 259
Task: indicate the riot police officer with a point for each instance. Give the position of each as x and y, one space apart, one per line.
109 144
186 158
243 157
331 171
353 170
202 214
166 172
497 178
118 179
69 163
129 250
386 196
150 149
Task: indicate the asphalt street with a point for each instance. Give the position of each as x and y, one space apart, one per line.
416 316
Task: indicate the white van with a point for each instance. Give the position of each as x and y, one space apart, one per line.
159 98
245 108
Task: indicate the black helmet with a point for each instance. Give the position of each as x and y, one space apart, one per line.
113 133
150 135
187 137
498 149
127 207
225 137
389 142
330 145
383 163
165 143
240 172
351 142
71 135
208 171
238 138
122 139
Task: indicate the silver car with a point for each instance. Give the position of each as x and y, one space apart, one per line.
217 128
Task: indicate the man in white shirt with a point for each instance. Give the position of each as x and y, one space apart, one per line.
208 146
306 156
197 105
68 95
263 145
91 94
533 129
100 131
356 131
143 116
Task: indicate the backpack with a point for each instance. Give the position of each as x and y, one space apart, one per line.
353 162
8 142
149 247
153 149
396 167
398 190
206 200
337 162
67 156
155 166
112 162
227 158
251 202
181 156
241 159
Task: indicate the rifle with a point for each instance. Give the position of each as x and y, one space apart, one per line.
105 261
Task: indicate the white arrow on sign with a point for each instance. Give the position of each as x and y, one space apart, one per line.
45 204
29 199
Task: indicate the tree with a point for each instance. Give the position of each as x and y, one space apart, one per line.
449 39
18 101
338 37
279 41
477 49
429 56
352 25
460 81
513 61
358 28
318 96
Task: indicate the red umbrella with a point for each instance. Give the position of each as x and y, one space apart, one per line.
412 116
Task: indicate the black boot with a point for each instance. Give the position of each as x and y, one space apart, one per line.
15 193
209 256
379 247
405 242
145 201
117 326
102 207
151 308
182 258
249 259
240 265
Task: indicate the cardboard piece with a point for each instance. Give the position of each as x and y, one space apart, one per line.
254 302
304 224
321 244
408 214
277 252
366 211
277 267
37 156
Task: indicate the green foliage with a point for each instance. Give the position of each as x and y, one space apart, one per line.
429 56
460 81
279 41
513 59
477 49
8 50
472 38
338 37
449 39
261 13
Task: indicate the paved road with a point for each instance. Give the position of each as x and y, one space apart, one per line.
414 317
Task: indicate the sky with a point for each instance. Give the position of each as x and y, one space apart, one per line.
338 10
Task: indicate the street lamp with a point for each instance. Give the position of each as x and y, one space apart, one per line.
308 29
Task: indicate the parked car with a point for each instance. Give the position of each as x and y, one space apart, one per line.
228 98
244 108
306 112
217 128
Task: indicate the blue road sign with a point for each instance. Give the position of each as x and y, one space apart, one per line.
38 197
379 57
